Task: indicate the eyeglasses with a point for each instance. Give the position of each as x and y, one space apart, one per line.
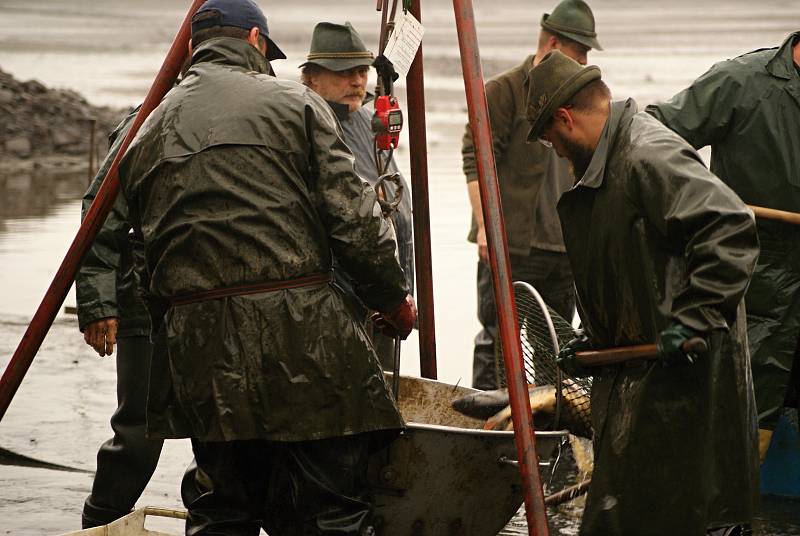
547 143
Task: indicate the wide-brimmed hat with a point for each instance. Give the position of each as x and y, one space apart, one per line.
337 47
574 20
551 84
243 14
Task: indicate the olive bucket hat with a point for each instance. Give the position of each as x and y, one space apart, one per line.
551 84
574 20
337 47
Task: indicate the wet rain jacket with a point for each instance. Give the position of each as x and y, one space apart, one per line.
107 284
748 110
522 168
239 178
358 134
653 237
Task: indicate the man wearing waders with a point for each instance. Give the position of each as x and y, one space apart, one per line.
531 178
748 110
337 68
111 312
661 250
243 190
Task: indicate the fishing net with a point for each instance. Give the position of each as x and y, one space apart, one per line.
542 332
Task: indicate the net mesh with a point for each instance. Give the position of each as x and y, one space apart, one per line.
540 350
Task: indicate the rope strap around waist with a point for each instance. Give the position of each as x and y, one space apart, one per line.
242 290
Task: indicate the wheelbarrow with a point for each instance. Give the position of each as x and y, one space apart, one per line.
445 475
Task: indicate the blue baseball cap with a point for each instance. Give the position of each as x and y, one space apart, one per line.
243 14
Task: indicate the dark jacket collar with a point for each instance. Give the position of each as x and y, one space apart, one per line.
231 51
782 64
593 178
342 111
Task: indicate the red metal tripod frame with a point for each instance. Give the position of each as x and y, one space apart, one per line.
524 435
92 222
418 147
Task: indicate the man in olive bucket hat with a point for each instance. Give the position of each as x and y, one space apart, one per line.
337 68
661 250
531 178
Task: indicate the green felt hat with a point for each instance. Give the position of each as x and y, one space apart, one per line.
551 84
337 47
574 20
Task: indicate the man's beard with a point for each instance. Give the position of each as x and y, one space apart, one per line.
579 156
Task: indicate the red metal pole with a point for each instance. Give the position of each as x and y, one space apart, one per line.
524 435
418 147
95 217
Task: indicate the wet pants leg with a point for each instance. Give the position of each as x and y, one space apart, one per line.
125 462
233 499
773 321
305 488
550 274
484 371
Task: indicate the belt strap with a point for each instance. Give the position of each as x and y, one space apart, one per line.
257 288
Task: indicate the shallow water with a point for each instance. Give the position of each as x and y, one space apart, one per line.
110 51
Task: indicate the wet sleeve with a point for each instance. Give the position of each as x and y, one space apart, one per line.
500 101
702 113
703 219
362 240
96 281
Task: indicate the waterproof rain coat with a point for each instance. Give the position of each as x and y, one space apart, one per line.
107 284
360 138
748 110
238 178
653 237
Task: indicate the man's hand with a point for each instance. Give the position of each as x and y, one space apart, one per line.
568 362
399 321
102 335
483 247
672 347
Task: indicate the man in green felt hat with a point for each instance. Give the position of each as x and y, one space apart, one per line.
531 178
661 251
337 67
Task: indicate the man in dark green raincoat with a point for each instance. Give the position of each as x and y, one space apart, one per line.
748 110
337 68
532 178
111 312
242 190
661 250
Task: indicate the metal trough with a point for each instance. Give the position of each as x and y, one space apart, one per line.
446 475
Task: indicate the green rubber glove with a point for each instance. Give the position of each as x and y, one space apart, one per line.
669 345
567 361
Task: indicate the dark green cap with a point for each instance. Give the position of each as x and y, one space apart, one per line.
574 20
551 84
337 47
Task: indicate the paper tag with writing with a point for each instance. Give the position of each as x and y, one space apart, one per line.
404 42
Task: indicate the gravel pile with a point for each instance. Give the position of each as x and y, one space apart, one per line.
38 121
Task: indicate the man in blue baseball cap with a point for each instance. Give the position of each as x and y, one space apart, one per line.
243 191
227 18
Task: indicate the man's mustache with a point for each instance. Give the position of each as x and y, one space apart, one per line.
359 94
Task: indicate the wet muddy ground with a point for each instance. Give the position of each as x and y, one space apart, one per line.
110 51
